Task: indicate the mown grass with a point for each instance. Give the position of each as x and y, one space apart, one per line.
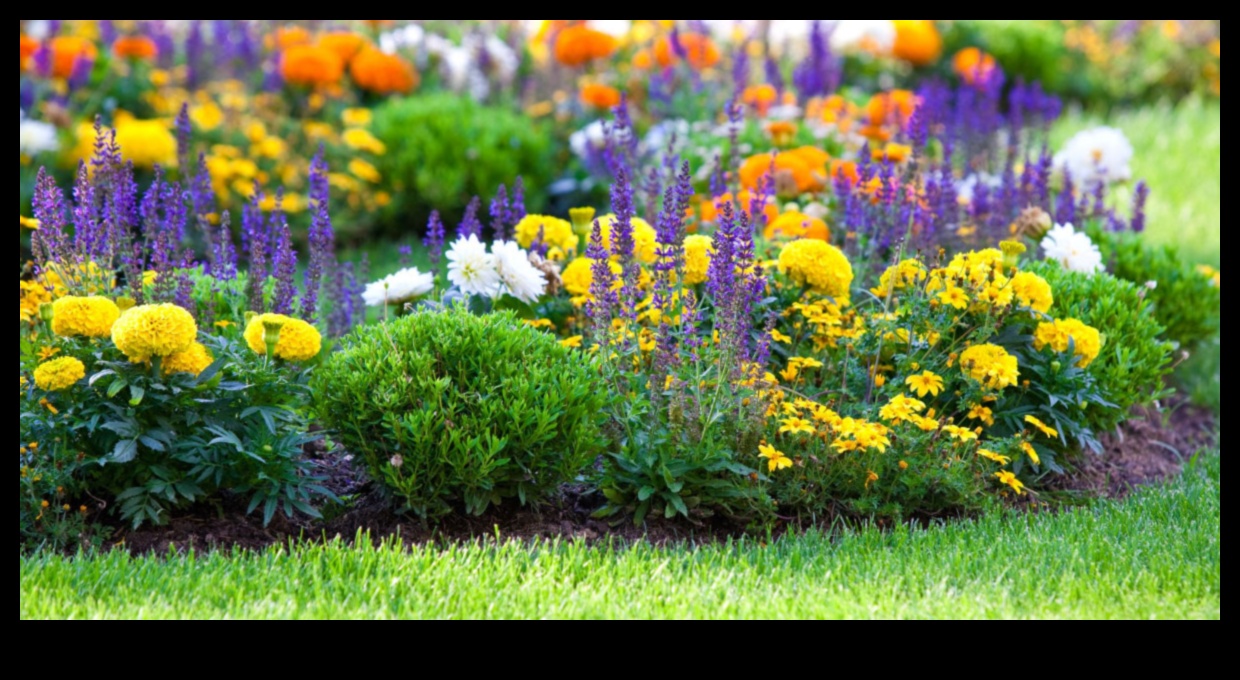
1156 555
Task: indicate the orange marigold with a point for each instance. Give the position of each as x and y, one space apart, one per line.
701 51
311 66
600 96
345 45
791 174
709 208
577 45
28 47
67 50
381 73
760 98
290 37
794 225
135 47
974 65
918 42
891 108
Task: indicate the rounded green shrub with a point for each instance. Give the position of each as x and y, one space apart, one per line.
1184 301
1134 358
444 149
450 410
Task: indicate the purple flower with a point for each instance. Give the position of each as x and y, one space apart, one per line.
1139 198
604 299
500 214
256 241
518 200
818 75
284 297
434 241
471 225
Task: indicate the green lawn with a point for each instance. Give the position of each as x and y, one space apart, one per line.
1156 555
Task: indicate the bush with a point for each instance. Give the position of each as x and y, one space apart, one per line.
447 408
444 149
1134 359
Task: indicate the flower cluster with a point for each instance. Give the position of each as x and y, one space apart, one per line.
505 270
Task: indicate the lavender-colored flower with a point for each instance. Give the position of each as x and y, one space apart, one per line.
740 67
500 214
79 77
774 77
819 74
183 135
518 200
471 225
194 48
107 32
434 241
1065 212
257 243
1139 198
42 60
284 297
184 297
603 296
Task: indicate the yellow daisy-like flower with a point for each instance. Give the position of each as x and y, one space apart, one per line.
1033 291
1042 427
819 266
362 140
363 171
992 456
645 244
154 331
573 342
907 274
870 478
954 297
776 460
797 426
698 251
556 233
1085 341
1010 480
1031 452
960 434
192 361
901 409
298 342
982 413
991 366
84 317
780 337
356 117
926 383
59 374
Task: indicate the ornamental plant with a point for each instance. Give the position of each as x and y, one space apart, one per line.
451 411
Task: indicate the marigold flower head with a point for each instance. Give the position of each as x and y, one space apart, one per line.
291 36
59 374
67 50
904 275
344 44
1010 480
974 66
154 331
382 73
358 138
1060 335
991 366
136 47
925 383
311 66
776 460
644 238
760 97
994 457
555 233
960 434
1028 449
891 108
192 361
820 266
797 426
578 45
1033 291
789 171
84 317
600 96
298 342
1042 427
795 225
917 41
146 143
27 49
698 251
700 51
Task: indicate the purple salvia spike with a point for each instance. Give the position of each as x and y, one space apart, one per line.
500 214
434 241
518 200
471 225
1140 195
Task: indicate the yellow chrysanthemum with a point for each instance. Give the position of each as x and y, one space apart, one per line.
59 374
820 266
644 238
84 317
578 277
193 361
146 142
991 366
299 341
698 251
1033 291
365 171
357 138
907 274
556 233
154 331
1059 335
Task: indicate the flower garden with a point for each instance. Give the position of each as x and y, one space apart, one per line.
453 301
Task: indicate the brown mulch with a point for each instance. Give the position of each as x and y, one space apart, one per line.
1149 448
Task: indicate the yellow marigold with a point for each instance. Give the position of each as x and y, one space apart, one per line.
907 274
146 142
820 266
556 233
1033 291
299 341
31 296
154 331
357 117
644 238
698 251
578 45
991 366
578 277
59 374
1059 335
344 45
86 317
357 138
193 361
382 73
917 41
311 66
365 171
794 225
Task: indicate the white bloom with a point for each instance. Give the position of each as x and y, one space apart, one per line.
874 36
966 188
1101 155
1072 249
471 268
399 288
522 280
36 137
591 138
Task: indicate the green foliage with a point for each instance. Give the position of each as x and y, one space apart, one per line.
447 408
1134 359
445 149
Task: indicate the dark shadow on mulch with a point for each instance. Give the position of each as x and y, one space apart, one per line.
1149 448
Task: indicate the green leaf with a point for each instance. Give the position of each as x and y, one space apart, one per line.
124 451
136 395
116 387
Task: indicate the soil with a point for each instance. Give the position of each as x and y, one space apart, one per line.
1151 447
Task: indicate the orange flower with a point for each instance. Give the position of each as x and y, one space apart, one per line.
918 42
345 45
136 47
814 157
381 73
760 97
577 45
701 51
974 65
846 168
28 47
600 96
710 210
791 174
794 225
290 37
896 153
781 131
66 50
311 66
891 108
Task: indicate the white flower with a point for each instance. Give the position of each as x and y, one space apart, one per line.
966 188
471 268
522 280
399 288
589 139
874 36
1101 155
36 137
1072 249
